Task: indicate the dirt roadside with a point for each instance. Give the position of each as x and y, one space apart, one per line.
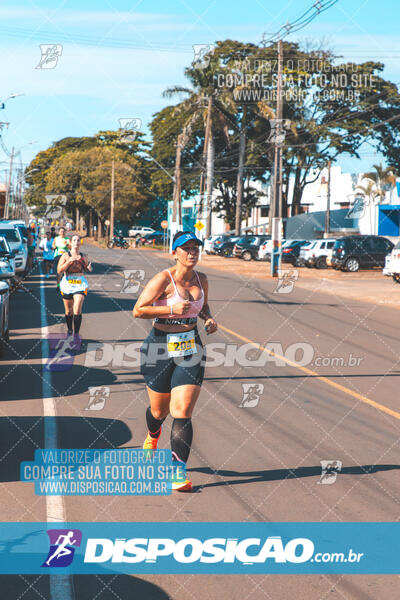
366 286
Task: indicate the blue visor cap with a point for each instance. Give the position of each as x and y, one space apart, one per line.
182 239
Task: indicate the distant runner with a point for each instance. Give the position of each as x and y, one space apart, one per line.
172 355
61 244
46 244
73 286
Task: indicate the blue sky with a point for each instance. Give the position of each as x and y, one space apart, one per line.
119 56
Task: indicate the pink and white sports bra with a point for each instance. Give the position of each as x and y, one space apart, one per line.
196 305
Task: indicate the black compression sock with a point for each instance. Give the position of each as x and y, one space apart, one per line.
181 438
153 424
68 319
77 323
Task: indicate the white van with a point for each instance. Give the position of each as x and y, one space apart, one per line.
16 242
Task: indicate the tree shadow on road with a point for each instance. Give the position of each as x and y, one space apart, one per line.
240 477
21 436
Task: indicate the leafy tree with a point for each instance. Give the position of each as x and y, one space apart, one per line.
85 177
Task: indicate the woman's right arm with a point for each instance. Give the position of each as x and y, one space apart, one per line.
64 262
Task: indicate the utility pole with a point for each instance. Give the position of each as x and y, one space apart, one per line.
328 203
8 193
276 213
210 183
111 234
239 185
177 200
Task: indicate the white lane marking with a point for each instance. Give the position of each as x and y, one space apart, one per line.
61 587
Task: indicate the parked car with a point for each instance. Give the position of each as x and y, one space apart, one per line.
136 231
265 249
4 309
392 264
157 237
7 261
20 224
291 251
221 239
226 246
284 244
351 253
247 248
15 241
314 254
209 244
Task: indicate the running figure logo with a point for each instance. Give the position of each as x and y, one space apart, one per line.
358 209
202 55
286 281
129 129
330 470
62 542
50 55
132 281
251 394
61 349
97 397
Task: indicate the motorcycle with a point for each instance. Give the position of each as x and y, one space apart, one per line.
118 241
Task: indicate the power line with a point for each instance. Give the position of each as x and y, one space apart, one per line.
316 9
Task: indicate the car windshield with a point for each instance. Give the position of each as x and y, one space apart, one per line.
11 235
397 246
23 230
3 246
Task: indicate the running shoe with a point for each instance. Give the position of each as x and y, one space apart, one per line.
182 486
150 443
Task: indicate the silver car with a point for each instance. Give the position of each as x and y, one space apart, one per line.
7 260
4 304
16 243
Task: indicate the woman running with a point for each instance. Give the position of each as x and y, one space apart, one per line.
46 244
174 298
73 286
61 244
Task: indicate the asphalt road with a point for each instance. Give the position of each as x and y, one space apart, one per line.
254 462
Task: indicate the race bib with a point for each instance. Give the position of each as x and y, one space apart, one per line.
73 283
181 344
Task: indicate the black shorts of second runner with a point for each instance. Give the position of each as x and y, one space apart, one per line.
70 296
161 372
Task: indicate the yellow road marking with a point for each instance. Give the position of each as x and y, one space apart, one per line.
326 380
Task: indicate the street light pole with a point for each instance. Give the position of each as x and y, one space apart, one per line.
112 200
8 191
276 231
328 202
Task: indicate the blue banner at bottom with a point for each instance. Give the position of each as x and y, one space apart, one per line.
200 548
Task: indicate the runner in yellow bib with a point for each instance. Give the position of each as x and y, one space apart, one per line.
172 356
73 286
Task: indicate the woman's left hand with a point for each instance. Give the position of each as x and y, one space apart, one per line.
210 325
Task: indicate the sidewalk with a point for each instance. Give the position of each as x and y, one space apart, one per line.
367 286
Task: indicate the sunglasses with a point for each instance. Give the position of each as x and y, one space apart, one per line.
190 249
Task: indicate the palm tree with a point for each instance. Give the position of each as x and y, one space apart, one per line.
200 107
